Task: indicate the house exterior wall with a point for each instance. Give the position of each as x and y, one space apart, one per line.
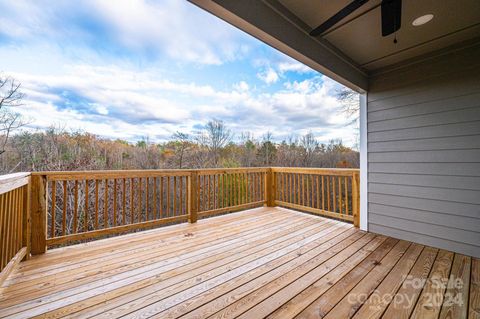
423 128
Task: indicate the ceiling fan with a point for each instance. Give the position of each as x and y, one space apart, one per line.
391 16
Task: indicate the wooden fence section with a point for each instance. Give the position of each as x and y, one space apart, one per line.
327 192
14 221
72 206
220 190
82 205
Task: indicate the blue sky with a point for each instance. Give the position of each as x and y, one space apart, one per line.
133 69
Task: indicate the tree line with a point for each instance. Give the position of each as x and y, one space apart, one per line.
214 146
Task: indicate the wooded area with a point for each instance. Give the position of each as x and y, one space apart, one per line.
215 146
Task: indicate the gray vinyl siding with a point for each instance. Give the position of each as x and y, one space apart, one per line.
424 152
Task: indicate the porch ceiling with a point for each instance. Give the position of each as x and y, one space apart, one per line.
359 35
354 48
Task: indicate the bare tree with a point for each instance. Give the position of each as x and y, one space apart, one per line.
182 141
309 144
350 101
267 150
215 136
10 97
248 153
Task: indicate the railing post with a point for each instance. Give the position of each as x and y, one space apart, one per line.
192 197
27 226
355 199
38 207
270 187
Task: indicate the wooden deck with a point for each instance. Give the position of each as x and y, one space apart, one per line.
257 263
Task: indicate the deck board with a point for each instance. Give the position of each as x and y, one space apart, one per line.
265 262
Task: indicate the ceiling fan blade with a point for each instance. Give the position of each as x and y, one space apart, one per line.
352 6
391 16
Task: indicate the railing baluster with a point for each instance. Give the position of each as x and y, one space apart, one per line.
96 203
3 237
339 194
235 189
54 201
254 186
174 195
124 201
155 198
5 233
328 192
75 208
132 204
208 193
64 211
308 190
227 190
114 202
9 226
355 199
346 195
19 218
169 212
105 204
162 201
302 181
140 204
180 199
240 189
323 194
334 196
248 190
85 220
147 198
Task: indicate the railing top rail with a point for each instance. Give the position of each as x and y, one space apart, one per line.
113 172
14 176
10 182
100 174
197 170
231 170
75 175
311 170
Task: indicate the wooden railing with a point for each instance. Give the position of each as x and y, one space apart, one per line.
14 221
72 206
84 205
220 191
328 192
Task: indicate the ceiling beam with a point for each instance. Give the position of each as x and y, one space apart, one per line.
258 19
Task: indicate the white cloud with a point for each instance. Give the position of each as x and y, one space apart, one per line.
176 29
268 76
241 86
101 109
115 102
81 87
293 66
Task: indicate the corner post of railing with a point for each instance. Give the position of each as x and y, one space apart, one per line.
26 220
38 212
356 198
270 187
192 197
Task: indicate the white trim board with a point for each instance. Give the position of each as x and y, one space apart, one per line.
363 163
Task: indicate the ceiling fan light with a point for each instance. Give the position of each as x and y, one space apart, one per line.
422 20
